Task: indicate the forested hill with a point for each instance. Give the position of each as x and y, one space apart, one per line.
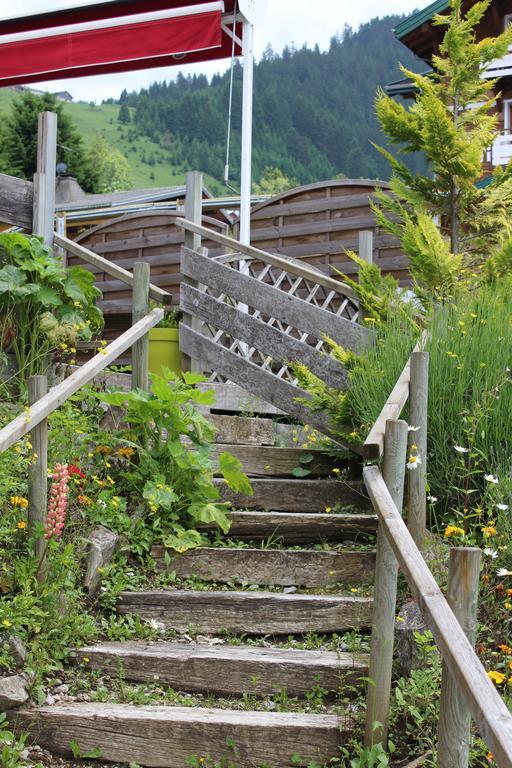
313 110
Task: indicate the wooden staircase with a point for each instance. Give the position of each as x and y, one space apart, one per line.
295 594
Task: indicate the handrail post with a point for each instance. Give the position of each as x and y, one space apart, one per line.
140 350
44 179
38 473
418 417
455 718
365 248
193 212
384 600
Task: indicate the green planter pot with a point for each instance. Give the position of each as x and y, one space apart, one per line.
164 350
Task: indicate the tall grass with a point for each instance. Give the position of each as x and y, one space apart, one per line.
470 396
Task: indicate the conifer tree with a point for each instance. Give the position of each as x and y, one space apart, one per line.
445 222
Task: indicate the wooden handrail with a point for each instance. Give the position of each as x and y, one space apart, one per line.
292 266
156 293
373 446
25 422
487 707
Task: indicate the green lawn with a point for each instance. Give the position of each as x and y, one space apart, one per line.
152 165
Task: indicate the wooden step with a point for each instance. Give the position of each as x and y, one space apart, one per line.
242 430
297 495
269 461
229 670
165 737
276 567
253 613
299 528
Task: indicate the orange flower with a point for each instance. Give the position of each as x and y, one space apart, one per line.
505 649
125 452
84 500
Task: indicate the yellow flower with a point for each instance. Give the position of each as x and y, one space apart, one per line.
19 501
336 470
124 452
6 623
496 677
353 434
103 449
21 525
328 509
489 531
453 530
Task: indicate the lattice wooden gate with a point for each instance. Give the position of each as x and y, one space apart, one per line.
248 315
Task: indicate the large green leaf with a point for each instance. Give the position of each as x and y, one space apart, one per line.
14 281
48 296
182 539
159 494
211 513
231 469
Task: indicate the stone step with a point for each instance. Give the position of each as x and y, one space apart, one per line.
297 495
166 737
275 567
226 670
253 613
299 527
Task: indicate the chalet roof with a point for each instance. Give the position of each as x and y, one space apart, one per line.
418 18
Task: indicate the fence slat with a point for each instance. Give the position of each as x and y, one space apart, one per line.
38 470
44 179
252 378
140 309
271 341
193 212
22 424
272 302
384 600
454 716
487 707
418 417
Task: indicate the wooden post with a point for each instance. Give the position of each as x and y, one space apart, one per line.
140 350
366 245
454 718
44 178
418 417
193 212
38 471
60 228
384 599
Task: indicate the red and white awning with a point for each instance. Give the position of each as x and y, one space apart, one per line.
115 36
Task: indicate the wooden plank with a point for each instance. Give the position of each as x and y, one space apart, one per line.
319 228
16 201
240 430
266 338
24 423
157 294
253 613
251 377
268 258
228 670
165 737
271 461
231 398
273 302
277 567
299 528
296 495
305 207
489 711
418 416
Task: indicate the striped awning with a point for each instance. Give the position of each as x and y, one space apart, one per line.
115 36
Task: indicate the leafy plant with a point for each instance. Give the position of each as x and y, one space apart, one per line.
43 306
172 467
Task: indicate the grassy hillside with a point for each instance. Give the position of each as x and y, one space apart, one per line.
152 165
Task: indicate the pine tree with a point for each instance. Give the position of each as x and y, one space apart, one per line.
124 114
452 122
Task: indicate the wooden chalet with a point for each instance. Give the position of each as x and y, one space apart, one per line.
419 34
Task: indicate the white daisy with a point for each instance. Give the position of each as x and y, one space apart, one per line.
460 449
412 429
413 462
490 553
432 499
491 479
503 572
503 507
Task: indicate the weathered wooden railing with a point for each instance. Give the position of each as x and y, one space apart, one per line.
466 689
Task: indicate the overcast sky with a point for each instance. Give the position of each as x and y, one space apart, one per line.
286 21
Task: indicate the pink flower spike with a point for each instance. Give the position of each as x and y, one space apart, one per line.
58 501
